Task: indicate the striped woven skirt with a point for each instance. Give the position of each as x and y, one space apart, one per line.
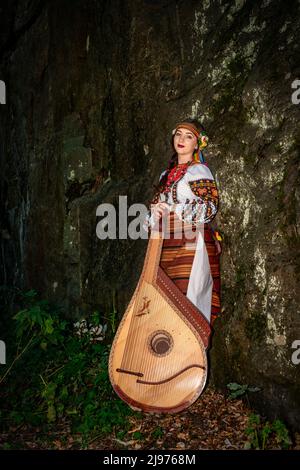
178 253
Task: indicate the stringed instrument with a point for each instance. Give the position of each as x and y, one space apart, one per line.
158 357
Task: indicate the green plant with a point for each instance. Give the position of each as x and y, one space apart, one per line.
237 390
121 434
58 375
263 433
35 324
111 316
252 431
157 432
138 435
281 434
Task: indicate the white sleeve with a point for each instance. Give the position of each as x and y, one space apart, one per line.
203 207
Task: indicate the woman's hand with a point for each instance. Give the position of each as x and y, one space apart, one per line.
161 209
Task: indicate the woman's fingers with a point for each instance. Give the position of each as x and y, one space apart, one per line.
163 206
160 209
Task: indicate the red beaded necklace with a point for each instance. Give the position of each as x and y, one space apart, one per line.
176 174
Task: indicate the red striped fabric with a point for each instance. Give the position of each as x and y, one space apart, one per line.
178 254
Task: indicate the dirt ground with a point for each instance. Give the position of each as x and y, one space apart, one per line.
213 422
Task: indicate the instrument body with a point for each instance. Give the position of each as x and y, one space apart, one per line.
158 357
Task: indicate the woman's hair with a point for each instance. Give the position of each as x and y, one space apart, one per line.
174 158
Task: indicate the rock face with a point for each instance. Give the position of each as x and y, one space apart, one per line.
93 92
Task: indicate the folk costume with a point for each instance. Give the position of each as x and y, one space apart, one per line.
191 256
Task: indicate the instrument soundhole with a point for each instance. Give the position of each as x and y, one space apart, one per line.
161 343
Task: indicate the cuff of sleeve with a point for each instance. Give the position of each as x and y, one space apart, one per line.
195 212
149 221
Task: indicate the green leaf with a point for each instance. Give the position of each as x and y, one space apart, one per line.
233 386
49 326
51 413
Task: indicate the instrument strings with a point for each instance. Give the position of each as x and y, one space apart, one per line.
137 355
134 331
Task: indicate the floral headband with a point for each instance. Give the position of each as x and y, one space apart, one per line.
202 140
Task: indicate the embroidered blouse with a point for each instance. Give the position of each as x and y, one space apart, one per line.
191 192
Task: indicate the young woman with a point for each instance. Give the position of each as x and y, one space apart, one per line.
187 197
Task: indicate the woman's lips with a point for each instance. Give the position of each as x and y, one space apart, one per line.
179 145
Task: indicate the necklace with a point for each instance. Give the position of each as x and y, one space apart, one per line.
176 174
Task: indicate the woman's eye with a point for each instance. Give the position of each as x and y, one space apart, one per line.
177 134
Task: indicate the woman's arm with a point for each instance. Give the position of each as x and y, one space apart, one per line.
203 207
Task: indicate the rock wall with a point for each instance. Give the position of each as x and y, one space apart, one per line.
93 92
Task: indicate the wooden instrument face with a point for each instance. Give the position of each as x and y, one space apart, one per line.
162 363
158 358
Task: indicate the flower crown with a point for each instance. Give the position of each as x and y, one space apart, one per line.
202 140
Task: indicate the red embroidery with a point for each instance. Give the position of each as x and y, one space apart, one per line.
175 174
206 189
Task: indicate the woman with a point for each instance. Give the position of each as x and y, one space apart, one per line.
187 197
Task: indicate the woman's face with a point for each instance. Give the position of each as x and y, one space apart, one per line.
185 141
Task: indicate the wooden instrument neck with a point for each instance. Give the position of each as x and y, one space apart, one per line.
153 256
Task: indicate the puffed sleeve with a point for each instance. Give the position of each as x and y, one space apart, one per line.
203 205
